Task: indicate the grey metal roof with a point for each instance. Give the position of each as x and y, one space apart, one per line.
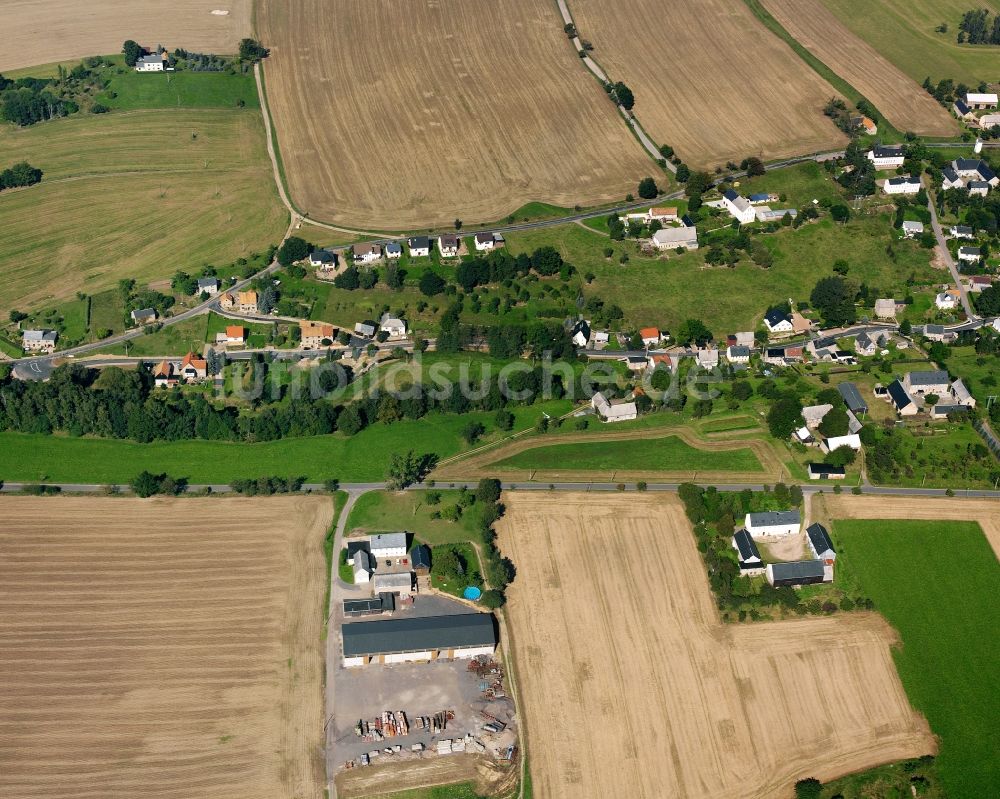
417 635
739 351
929 378
797 570
39 335
387 540
950 175
745 546
887 151
826 468
393 246
898 395
419 242
772 517
819 538
323 256
356 546
967 164
964 229
208 281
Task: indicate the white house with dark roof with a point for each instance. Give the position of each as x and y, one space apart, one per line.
322 259
945 301
902 185
421 639
961 232
778 322
970 254
934 382
143 316
39 340
886 157
208 285
485 241
613 411
962 111
820 544
737 353
419 246
387 545
448 245
773 522
739 206
362 566
971 169
393 250
798 572
865 345
747 553
580 333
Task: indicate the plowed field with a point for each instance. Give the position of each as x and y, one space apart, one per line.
393 115
631 686
161 648
709 78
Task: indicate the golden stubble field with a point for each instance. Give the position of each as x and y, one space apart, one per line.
709 79
631 686
393 115
43 31
895 94
162 648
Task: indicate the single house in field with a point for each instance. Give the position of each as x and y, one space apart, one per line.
316 335
980 100
366 253
852 440
393 250
824 471
194 368
364 329
885 308
886 157
424 639
393 326
902 185
144 316
235 334
738 354
670 238
911 229
448 245
247 302
393 583
971 255
387 545
419 246
739 207
39 340
420 559
777 321
798 572
208 285
323 259
901 399
852 397
164 375
581 333
748 555
154 62
362 566
773 522
485 241
614 411
818 540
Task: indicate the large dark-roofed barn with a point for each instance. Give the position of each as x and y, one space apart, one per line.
422 639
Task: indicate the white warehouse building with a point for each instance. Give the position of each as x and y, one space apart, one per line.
773 522
409 640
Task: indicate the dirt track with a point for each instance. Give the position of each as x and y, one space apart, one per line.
632 687
161 648
37 32
984 511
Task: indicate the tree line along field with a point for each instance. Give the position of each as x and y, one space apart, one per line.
900 98
614 631
709 79
390 117
166 648
37 32
903 31
138 194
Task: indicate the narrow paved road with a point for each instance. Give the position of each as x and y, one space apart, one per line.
942 244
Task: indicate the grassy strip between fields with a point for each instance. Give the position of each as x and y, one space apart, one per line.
339 501
668 454
460 790
937 584
818 66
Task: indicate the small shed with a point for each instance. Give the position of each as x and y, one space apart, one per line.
420 559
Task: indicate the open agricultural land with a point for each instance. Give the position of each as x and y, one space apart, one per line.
904 31
163 647
940 596
37 32
623 660
446 110
899 97
136 194
681 63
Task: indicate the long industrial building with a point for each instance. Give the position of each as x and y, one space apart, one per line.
422 639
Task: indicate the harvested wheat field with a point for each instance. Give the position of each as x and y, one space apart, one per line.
829 507
395 115
905 104
162 648
631 686
709 79
43 31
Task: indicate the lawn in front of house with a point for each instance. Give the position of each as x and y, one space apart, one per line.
414 511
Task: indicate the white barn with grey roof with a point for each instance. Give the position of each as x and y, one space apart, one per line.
773 522
387 545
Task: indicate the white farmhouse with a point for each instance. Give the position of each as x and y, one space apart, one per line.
739 206
367 253
393 250
395 327
945 301
773 522
39 340
154 62
902 185
748 555
883 157
670 238
387 545
911 229
969 254
419 246
778 322
448 245
485 241
362 565
616 411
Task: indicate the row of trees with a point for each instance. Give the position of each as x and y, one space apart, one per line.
976 28
29 100
505 340
21 174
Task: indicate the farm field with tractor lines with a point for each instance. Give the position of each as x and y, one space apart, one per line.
623 660
37 32
709 79
162 647
906 105
488 99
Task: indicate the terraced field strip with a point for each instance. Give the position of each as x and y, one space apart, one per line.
615 634
709 79
906 105
394 115
164 648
